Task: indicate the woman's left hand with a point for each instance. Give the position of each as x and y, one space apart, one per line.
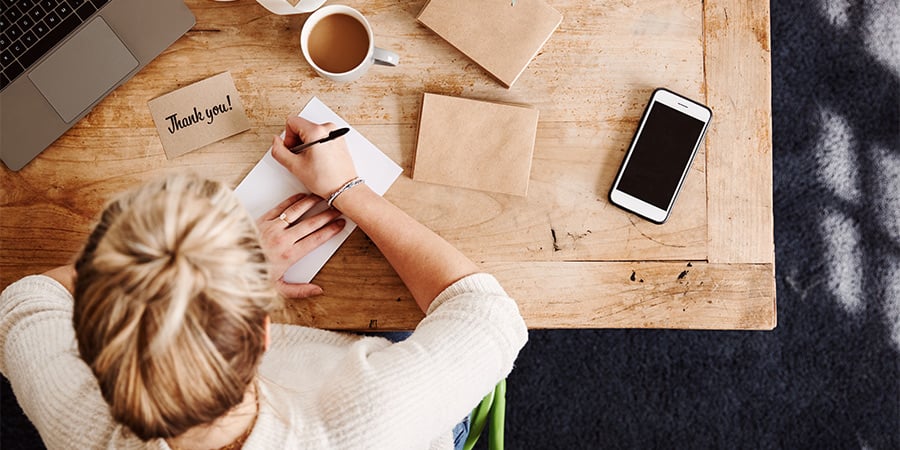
286 239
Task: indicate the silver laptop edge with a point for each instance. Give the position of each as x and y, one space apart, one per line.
29 123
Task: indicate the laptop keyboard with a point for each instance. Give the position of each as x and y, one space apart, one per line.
30 28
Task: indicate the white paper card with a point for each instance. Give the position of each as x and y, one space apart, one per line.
269 183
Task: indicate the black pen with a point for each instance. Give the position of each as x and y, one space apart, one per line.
331 136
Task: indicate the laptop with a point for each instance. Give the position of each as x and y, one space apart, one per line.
59 58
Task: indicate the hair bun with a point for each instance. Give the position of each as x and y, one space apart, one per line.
170 300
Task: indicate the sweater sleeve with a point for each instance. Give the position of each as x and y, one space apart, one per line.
404 395
38 355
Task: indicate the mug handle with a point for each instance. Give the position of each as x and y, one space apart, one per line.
385 57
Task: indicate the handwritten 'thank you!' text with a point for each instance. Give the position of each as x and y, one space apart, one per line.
206 116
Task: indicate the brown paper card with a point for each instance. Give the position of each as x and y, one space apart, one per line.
198 114
475 144
502 36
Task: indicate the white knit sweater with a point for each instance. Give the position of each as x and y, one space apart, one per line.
319 389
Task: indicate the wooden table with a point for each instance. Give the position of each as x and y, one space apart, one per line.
570 258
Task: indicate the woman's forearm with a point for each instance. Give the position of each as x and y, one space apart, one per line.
424 260
426 263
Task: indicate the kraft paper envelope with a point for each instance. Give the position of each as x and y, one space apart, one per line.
198 115
502 36
475 144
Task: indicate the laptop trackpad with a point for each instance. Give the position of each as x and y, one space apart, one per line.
83 69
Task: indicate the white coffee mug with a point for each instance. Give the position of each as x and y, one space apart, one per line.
374 55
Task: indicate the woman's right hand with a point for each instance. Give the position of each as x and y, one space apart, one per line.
322 168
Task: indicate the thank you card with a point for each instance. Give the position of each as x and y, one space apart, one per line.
198 115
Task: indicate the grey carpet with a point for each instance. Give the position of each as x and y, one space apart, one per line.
828 376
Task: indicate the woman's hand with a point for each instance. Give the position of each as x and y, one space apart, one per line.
322 168
285 239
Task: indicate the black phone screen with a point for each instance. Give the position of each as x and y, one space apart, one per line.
662 153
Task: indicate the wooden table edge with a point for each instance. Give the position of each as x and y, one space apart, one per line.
578 294
737 65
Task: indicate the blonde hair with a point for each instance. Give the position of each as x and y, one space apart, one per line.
170 303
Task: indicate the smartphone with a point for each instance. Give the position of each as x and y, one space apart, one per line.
660 155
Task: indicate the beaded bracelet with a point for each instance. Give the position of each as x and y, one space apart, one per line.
343 188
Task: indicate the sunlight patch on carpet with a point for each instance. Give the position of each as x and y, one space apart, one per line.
838 167
892 303
837 11
881 32
842 247
887 195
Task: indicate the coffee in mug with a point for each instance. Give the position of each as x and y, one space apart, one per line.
336 41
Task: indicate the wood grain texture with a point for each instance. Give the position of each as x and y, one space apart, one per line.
739 92
694 295
590 82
